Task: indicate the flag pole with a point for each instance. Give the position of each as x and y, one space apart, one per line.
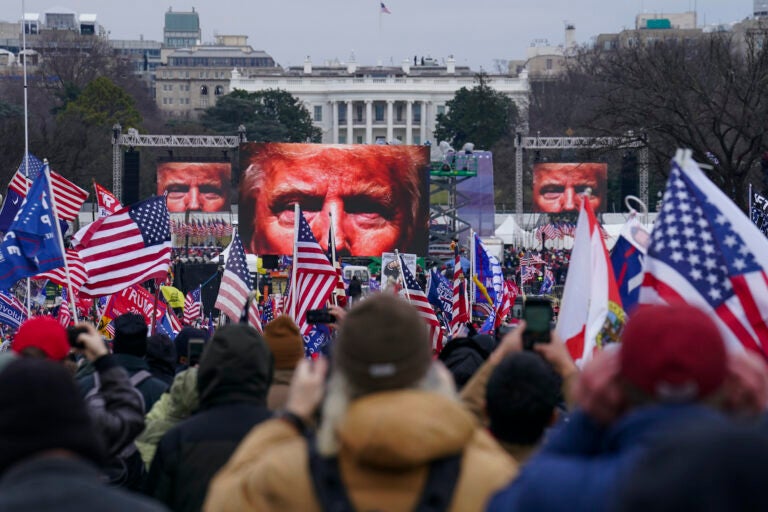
472 289
402 275
332 246
154 307
296 213
47 171
750 201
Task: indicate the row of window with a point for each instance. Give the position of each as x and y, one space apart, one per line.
379 110
203 103
222 62
218 90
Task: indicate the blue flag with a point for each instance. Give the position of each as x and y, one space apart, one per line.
627 261
164 327
440 293
12 312
488 272
31 244
15 197
318 341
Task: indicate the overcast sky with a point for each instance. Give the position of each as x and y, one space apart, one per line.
476 32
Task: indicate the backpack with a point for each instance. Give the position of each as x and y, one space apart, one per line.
126 469
331 495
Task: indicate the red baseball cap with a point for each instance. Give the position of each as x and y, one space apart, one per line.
673 352
45 333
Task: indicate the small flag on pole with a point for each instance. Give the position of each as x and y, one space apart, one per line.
384 9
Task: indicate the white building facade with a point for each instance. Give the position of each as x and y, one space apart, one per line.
366 105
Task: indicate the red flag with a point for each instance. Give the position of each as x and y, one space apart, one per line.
106 201
130 246
315 276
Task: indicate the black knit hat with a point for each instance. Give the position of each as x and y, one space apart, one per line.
41 411
382 344
130 335
521 396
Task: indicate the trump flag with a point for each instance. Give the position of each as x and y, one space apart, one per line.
706 252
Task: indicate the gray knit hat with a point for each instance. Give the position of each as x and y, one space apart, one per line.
383 344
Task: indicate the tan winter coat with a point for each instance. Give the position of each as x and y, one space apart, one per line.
387 441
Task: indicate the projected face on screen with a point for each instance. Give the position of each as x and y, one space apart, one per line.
195 186
557 186
375 196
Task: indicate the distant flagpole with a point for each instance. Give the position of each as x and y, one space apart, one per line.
55 220
296 213
750 201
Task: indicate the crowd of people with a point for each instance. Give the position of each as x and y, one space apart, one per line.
668 419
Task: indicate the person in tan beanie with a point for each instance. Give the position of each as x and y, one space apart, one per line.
287 347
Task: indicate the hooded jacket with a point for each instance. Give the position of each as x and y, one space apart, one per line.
173 407
387 442
232 381
580 466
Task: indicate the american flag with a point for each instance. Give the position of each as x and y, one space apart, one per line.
315 276
528 274
460 310
193 306
384 9
65 315
340 292
706 252
254 316
418 299
77 272
278 305
236 283
130 246
69 197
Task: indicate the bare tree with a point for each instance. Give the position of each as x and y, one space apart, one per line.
706 94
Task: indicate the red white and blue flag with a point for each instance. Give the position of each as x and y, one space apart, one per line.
384 9
315 276
418 299
193 306
706 252
236 283
460 302
128 247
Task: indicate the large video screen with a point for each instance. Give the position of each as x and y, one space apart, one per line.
376 196
195 186
556 186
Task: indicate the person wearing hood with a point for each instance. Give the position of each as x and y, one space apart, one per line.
393 434
172 408
232 381
161 357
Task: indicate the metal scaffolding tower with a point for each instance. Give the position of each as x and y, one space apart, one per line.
627 142
445 176
134 139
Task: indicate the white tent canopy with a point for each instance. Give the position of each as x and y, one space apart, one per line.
510 232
